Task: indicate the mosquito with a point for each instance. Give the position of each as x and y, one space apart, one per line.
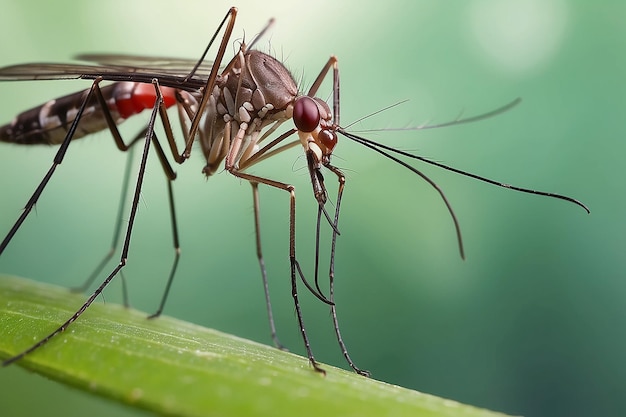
233 112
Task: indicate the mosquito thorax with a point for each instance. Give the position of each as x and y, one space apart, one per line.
263 86
255 91
316 130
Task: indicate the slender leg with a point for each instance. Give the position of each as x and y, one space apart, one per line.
294 288
176 251
342 182
259 254
331 274
295 266
195 123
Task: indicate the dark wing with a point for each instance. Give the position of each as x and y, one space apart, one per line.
169 65
169 71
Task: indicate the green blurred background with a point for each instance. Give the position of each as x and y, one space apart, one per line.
531 323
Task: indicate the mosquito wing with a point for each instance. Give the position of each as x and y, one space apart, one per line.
168 65
171 72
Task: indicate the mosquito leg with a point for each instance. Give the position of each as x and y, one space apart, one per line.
331 274
232 14
172 273
294 288
171 176
305 338
295 266
318 224
259 254
195 123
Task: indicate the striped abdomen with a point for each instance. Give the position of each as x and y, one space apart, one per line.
49 123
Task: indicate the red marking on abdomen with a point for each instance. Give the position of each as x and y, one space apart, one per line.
143 97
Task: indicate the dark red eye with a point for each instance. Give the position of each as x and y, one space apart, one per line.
306 115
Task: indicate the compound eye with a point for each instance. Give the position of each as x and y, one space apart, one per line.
328 138
306 115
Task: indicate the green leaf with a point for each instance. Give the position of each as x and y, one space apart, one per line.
173 367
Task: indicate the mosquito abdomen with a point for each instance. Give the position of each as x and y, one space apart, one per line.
49 123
